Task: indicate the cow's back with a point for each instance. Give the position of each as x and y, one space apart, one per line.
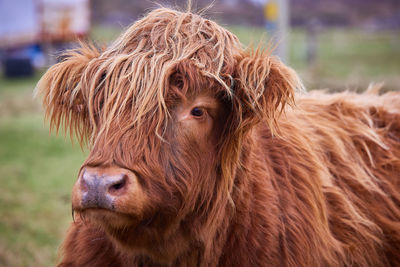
349 146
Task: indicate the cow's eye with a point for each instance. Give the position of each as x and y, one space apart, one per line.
197 112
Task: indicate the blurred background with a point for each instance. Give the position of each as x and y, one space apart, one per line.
339 45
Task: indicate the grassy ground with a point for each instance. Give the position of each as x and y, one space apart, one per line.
37 170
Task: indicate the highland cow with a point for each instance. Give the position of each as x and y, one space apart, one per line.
204 153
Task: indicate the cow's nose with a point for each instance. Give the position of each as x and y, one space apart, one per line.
101 187
109 184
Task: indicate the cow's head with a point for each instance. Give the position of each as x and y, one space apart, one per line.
164 111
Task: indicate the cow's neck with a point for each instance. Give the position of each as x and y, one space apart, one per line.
254 224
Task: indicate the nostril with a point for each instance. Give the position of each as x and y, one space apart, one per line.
118 185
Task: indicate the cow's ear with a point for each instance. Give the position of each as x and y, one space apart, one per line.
264 86
64 92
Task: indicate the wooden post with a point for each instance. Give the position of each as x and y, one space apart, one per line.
283 30
276 13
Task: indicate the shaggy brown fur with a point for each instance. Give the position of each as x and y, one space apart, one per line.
268 183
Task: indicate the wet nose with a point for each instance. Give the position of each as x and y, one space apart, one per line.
101 187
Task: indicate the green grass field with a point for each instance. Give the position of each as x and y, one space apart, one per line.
37 172
38 169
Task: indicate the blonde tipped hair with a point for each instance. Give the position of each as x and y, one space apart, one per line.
134 71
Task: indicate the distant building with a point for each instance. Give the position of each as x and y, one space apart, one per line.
25 22
27 28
